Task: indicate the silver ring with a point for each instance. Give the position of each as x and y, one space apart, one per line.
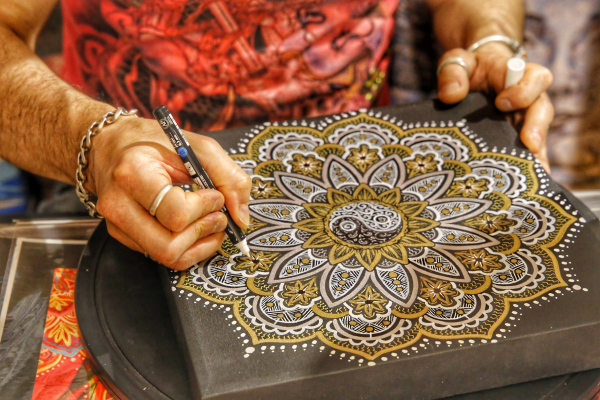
454 60
159 198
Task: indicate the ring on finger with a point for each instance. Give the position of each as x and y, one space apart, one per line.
159 198
453 60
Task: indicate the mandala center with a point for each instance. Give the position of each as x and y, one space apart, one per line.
365 223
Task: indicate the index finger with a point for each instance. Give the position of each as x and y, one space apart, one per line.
228 177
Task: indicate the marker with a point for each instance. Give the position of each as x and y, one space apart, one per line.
197 172
514 71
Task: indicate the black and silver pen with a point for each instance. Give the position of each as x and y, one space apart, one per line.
197 172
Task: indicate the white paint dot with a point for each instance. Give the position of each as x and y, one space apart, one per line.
576 287
250 350
371 363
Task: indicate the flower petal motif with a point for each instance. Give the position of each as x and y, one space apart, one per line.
282 211
305 189
369 258
396 253
453 237
340 284
369 303
437 292
299 265
313 225
337 197
422 164
306 165
456 210
339 175
363 157
479 260
440 264
399 283
429 186
363 192
276 239
392 197
300 292
257 262
340 253
468 188
318 209
491 223
264 189
387 173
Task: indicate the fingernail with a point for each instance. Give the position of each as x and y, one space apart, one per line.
221 224
244 213
218 204
505 105
449 88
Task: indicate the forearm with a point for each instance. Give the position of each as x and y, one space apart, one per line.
460 23
42 118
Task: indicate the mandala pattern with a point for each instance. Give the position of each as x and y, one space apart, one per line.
370 235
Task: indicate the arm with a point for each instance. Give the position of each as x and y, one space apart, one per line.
460 23
42 121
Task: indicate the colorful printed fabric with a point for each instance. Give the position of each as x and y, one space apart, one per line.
218 64
63 370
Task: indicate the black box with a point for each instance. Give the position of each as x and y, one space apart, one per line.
397 253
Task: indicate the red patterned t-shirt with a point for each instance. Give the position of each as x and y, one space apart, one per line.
218 64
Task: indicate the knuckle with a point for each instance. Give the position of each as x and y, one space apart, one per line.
123 172
453 53
203 227
183 263
245 181
177 221
106 208
168 256
210 143
545 76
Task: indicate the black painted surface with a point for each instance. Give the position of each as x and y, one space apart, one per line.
555 339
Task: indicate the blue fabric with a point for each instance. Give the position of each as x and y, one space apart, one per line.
13 193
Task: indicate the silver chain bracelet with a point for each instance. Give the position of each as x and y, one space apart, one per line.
85 146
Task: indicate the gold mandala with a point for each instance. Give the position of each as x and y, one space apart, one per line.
371 235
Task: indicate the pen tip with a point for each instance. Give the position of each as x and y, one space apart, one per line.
243 247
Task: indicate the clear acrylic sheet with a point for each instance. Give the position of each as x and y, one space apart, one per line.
30 250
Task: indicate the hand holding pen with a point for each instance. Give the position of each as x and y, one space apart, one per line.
197 173
132 161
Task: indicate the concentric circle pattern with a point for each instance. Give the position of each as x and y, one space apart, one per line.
371 235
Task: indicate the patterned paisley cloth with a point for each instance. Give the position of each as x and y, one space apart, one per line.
63 371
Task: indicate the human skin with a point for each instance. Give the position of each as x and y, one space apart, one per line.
564 36
460 23
42 120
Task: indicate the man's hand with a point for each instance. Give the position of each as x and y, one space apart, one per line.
460 23
487 69
132 160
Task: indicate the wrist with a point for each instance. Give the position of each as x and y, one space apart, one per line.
97 142
79 116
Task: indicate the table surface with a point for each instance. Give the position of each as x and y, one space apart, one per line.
41 354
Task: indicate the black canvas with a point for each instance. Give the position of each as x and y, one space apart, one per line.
403 252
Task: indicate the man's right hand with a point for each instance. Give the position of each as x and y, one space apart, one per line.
132 160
